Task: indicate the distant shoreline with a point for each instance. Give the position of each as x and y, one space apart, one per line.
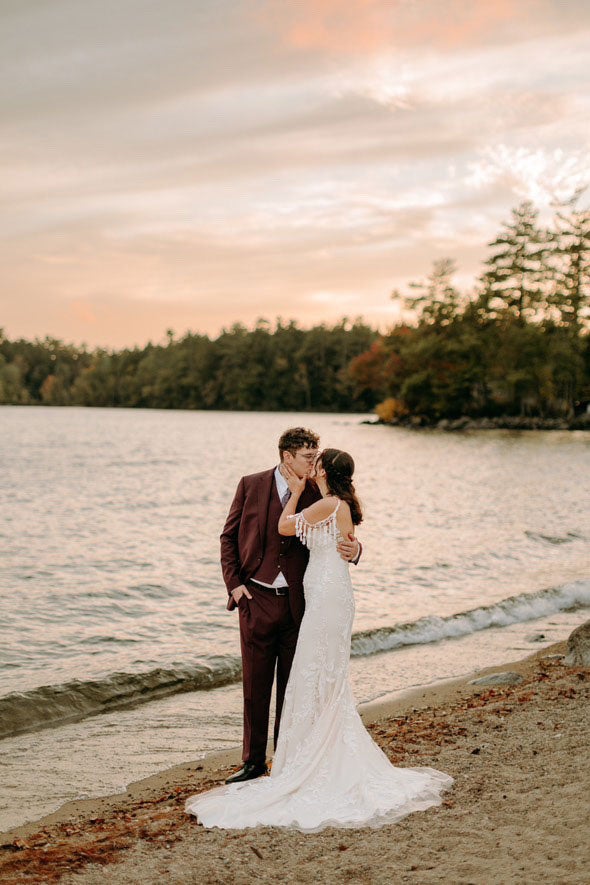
410 422
503 422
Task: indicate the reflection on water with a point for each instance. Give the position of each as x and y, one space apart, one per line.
109 564
110 539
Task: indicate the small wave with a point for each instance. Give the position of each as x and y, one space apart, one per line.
53 705
554 539
515 609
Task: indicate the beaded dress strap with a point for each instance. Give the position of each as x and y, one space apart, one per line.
326 527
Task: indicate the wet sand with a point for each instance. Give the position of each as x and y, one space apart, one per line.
518 811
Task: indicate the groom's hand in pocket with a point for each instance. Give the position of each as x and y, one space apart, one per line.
240 591
235 596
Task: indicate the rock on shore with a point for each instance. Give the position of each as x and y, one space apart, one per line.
506 677
578 647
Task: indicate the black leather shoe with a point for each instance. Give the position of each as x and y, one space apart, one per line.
248 772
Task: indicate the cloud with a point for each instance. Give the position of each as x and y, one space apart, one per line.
207 162
542 176
364 27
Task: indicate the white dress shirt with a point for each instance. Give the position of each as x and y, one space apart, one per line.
282 486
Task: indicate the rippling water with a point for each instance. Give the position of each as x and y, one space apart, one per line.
111 588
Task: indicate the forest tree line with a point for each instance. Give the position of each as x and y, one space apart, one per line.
518 344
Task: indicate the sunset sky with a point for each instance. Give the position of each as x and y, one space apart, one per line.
194 163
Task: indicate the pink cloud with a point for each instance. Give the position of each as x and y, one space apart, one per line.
367 26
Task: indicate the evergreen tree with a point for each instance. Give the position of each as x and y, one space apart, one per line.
521 347
517 275
437 300
570 254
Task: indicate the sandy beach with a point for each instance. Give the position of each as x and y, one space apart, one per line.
518 811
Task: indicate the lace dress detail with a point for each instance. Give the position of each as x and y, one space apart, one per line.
327 770
317 534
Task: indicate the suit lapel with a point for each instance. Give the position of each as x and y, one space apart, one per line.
265 489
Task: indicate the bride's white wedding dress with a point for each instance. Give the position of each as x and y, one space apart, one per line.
327 770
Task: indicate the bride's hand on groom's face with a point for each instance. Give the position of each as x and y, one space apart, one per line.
296 483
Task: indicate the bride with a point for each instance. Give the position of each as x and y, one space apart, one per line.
327 770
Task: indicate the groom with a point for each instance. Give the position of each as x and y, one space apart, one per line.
263 573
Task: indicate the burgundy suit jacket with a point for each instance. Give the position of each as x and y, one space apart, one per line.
244 536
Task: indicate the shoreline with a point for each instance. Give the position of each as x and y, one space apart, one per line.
503 422
517 787
389 705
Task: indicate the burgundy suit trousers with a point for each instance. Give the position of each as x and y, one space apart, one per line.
268 636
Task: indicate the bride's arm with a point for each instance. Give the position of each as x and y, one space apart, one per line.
349 547
320 510
345 524
313 514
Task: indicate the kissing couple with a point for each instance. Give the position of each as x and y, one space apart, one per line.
285 552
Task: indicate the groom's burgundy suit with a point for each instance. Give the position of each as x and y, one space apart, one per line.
251 548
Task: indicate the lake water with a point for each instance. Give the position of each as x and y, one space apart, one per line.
475 544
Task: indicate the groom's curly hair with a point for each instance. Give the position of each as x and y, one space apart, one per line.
297 438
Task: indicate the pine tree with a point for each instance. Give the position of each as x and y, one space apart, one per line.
570 256
517 279
437 301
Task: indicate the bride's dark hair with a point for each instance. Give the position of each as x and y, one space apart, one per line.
339 468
